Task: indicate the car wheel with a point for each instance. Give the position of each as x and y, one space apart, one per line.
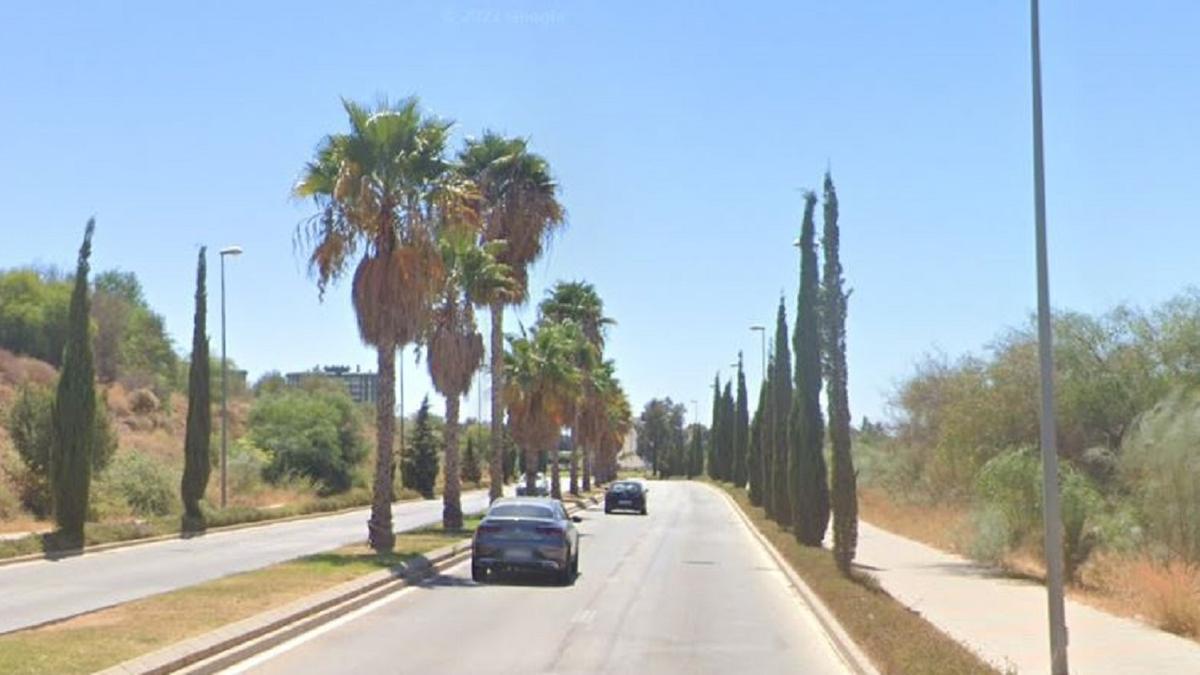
607 510
567 574
643 509
478 573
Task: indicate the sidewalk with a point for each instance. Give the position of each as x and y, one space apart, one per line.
1004 620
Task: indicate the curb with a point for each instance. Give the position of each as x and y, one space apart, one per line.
845 646
109 546
225 646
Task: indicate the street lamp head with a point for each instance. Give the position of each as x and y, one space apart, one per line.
231 250
796 243
758 328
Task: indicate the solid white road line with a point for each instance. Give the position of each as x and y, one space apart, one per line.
259 659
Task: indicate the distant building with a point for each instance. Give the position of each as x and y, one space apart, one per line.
362 387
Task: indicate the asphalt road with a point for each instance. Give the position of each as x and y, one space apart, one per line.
685 589
46 590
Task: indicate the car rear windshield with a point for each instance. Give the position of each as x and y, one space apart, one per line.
520 511
626 487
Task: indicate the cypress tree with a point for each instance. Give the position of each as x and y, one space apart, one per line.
471 471
728 431
420 462
197 460
714 436
845 490
754 451
767 437
781 406
808 482
741 440
695 461
73 415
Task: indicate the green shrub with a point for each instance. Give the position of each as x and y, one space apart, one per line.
1161 467
10 504
1009 491
314 434
30 428
147 487
244 467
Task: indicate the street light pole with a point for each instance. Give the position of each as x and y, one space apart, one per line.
762 331
227 251
1052 516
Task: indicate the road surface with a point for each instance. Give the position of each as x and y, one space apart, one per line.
686 589
47 590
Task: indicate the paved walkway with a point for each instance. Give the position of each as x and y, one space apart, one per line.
1004 620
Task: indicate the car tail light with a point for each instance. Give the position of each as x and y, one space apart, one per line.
487 529
552 532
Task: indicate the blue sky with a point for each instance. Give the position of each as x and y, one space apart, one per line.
682 137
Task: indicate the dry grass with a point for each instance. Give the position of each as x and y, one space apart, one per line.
947 527
104 638
1164 594
896 639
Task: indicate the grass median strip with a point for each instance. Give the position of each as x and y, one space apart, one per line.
100 639
896 639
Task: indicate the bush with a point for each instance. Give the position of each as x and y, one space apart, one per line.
30 427
245 466
147 487
1160 465
143 401
312 434
10 505
1009 489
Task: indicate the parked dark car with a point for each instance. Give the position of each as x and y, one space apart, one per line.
526 534
626 495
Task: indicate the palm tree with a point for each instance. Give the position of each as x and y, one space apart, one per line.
455 345
578 302
541 386
380 190
519 205
618 423
600 388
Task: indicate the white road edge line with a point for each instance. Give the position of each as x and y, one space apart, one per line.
259 659
842 644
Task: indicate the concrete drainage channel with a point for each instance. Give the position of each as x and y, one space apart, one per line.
231 644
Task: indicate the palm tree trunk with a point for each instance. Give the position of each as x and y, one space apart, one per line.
574 463
452 515
555 490
587 469
496 465
379 527
531 469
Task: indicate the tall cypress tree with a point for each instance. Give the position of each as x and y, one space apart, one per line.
420 462
73 415
781 407
845 489
808 482
767 437
197 460
741 439
714 436
728 431
754 451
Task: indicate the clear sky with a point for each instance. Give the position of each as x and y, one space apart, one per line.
682 137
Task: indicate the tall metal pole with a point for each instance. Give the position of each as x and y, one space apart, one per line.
228 250
1052 515
224 390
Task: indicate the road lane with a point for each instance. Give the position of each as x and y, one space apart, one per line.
684 590
46 590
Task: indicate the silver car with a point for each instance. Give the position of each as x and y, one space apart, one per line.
526 534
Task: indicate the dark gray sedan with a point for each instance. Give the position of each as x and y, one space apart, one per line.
526 534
